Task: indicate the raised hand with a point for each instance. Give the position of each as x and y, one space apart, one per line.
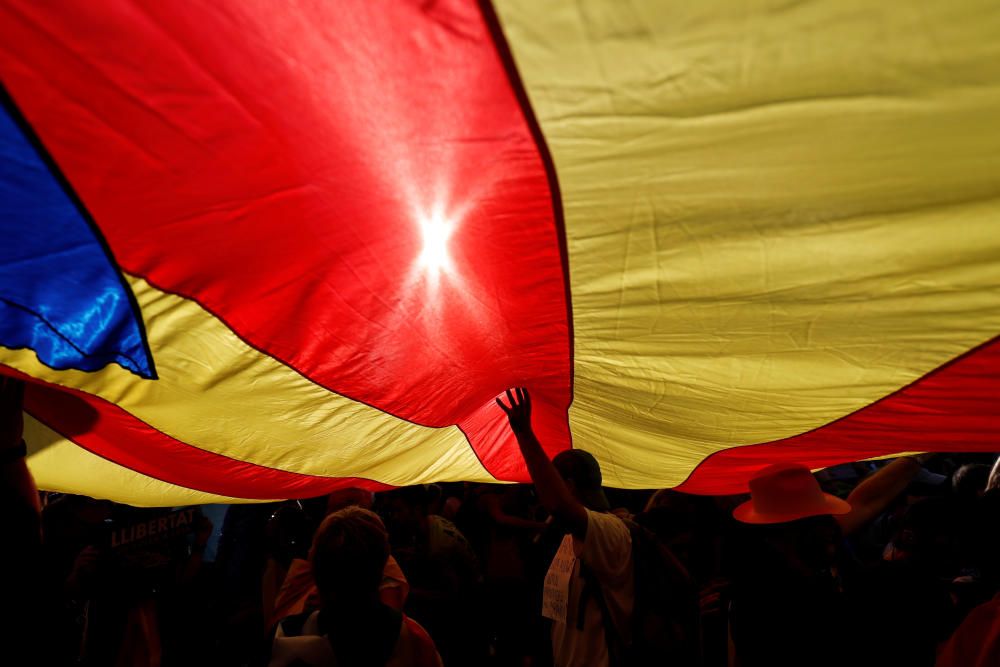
519 411
552 490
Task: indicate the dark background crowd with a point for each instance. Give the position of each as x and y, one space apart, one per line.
206 585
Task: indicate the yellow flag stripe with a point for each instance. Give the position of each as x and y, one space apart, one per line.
57 464
217 393
775 214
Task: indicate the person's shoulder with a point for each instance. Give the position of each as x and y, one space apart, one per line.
417 631
608 522
607 535
417 645
448 530
442 523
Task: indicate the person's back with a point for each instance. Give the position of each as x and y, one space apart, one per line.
352 627
589 592
298 593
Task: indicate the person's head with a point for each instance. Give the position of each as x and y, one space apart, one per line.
801 549
970 480
673 517
582 474
405 512
791 519
90 510
288 532
786 492
352 495
348 555
930 534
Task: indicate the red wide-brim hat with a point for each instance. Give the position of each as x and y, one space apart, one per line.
787 492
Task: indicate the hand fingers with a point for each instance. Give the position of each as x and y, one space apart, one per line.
516 397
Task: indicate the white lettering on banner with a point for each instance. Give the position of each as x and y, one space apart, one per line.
174 524
555 594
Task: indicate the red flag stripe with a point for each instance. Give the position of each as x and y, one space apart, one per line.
958 398
108 431
304 199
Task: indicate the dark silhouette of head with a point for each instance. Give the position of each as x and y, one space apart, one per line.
970 480
405 513
582 474
348 555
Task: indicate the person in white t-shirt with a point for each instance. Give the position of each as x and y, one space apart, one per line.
596 552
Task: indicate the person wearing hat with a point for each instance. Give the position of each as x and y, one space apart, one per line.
798 598
597 547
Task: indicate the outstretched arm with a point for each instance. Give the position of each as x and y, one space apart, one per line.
552 490
875 492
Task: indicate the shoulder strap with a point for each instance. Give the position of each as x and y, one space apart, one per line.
612 638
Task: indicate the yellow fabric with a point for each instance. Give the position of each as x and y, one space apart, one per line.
59 465
217 393
776 212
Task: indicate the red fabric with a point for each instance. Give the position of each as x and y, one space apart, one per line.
952 409
273 162
110 432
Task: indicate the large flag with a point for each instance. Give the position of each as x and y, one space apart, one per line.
262 250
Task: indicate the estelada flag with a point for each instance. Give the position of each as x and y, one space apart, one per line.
265 250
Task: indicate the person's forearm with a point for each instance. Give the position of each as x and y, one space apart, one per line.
884 485
994 480
552 491
189 570
874 493
501 518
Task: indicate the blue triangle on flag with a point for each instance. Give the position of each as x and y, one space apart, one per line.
61 293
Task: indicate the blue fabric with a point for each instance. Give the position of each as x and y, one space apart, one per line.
60 294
